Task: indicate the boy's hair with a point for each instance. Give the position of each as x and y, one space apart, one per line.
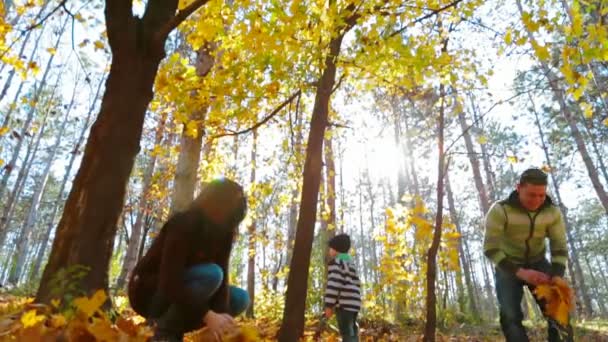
340 242
533 176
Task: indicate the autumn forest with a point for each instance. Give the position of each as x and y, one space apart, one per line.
399 123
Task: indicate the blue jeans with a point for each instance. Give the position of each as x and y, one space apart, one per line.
203 280
510 291
347 323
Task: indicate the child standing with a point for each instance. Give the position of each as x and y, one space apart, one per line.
343 291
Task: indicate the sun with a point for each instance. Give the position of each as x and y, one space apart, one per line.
384 158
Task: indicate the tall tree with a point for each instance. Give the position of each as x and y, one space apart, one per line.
251 232
574 254
431 272
24 242
292 326
566 111
85 235
58 204
132 254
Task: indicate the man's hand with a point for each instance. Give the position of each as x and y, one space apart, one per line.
219 324
328 312
533 277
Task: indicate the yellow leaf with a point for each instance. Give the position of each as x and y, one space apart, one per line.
83 43
90 306
482 139
102 330
1 161
192 128
605 122
55 302
31 318
4 130
98 45
52 51
542 52
58 321
587 110
559 299
79 17
578 92
512 159
34 67
509 36
184 3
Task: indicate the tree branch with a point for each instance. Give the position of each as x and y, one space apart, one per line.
117 13
266 119
43 19
180 17
433 12
482 116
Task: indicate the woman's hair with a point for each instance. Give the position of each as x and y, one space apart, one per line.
224 199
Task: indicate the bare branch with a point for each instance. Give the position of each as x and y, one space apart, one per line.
43 19
432 13
266 119
483 115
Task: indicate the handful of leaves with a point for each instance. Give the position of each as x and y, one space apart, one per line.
559 298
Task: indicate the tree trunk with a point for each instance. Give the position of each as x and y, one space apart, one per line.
18 188
85 235
68 170
596 150
186 171
485 158
292 326
21 178
23 242
431 272
330 171
26 39
131 256
481 189
295 190
364 245
372 243
577 277
7 212
594 286
466 268
568 115
252 234
30 115
402 170
410 149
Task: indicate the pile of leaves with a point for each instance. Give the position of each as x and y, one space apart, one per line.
559 298
85 320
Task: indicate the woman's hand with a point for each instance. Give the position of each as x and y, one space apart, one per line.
219 324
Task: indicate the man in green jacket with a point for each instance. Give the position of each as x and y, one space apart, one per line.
516 229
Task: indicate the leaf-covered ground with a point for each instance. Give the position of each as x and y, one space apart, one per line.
83 320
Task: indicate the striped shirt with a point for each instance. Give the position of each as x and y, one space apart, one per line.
343 286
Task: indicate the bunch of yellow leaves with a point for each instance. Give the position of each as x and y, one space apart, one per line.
243 334
559 298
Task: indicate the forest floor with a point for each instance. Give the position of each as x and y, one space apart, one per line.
21 320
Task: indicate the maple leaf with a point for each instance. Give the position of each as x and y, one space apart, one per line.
31 318
559 299
89 306
102 330
98 45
